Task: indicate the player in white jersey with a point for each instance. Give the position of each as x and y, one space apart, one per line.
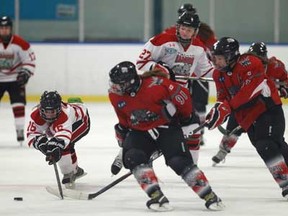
17 65
179 54
54 128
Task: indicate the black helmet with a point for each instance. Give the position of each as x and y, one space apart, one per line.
259 49
227 47
189 19
125 78
6 21
186 7
50 106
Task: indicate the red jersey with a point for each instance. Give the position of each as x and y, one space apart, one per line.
246 88
145 110
276 70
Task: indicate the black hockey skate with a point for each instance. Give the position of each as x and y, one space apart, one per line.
213 202
285 192
69 179
158 202
220 156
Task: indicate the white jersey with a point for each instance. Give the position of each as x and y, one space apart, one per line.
166 48
15 56
72 122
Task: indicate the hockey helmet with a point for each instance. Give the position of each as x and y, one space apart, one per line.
50 106
186 7
229 48
124 77
259 49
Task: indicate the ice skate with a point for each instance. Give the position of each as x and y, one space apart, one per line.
159 202
20 136
117 164
285 192
220 156
69 179
213 202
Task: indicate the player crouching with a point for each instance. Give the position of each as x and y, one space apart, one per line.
54 128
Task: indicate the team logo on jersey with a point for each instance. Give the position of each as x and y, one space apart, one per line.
169 50
187 59
245 62
155 81
142 115
121 104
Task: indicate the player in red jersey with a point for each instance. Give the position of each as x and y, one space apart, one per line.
17 65
54 128
244 90
154 114
275 70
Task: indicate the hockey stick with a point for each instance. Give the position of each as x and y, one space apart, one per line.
58 180
227 132
84 196
203 79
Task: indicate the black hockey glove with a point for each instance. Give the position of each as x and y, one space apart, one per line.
40 143
121 133
23 77
55 148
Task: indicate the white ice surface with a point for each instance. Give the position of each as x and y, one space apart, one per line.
243 182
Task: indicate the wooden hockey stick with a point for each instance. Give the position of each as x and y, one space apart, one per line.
58 180
203 79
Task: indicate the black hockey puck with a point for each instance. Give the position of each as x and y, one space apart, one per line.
18 198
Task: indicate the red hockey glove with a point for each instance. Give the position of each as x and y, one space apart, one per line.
283 92
121 133
218 115
165 68
55 148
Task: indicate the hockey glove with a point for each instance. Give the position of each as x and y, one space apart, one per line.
55 148
165 68
218 115
23 77
121 133
283 92
40 143
169 109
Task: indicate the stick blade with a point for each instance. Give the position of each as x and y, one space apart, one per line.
54 191
74 194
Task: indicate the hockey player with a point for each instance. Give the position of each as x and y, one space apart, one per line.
275 70
153 114
179 54
54 128
199 90
17 65
243 88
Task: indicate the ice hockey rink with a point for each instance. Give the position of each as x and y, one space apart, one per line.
243 182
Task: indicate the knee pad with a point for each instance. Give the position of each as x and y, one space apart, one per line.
178 163
134 157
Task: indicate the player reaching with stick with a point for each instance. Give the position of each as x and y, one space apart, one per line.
54 128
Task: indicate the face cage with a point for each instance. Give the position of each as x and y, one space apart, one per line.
127 87
50 115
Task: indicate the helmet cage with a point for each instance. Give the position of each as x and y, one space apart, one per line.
50 106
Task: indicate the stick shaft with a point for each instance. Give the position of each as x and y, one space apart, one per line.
58 180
